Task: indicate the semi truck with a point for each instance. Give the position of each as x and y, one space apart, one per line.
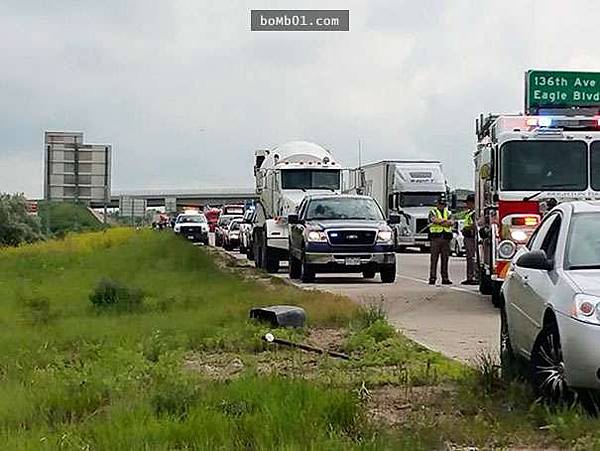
284 175
409 188
528 162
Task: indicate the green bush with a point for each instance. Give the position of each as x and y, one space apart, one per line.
38 309
16 226
112 293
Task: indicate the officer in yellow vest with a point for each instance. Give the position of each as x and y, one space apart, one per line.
469 233
440 232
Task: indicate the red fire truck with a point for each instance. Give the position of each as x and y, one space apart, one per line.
524 164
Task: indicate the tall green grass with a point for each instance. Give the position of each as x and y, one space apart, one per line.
75 376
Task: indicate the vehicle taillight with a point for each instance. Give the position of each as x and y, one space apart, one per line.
530 221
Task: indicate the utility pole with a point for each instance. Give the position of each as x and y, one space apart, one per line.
359 153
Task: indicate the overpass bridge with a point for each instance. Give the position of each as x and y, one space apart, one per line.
184 197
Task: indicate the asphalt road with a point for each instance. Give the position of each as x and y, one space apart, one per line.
454 320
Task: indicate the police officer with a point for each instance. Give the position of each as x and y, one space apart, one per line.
469 233
440 232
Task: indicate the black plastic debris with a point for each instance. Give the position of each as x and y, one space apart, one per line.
280 315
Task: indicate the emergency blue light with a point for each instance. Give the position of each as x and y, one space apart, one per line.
545 121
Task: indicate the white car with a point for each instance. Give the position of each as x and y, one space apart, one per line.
551 312
193 226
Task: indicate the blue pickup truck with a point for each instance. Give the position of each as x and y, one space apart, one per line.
333 233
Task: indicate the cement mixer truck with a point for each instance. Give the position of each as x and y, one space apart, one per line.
284 176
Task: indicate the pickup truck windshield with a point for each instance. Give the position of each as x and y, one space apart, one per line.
310 179
418 199
344 208
191 219
543 166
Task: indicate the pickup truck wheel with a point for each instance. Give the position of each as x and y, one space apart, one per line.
295 268
368 274
307 272
388 274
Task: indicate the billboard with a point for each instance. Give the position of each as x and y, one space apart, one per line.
132 207
76 171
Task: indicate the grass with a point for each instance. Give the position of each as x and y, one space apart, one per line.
60 218
181 366
75 375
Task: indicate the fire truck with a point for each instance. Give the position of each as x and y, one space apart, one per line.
525 164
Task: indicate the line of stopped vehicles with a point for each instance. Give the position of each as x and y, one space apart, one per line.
538 256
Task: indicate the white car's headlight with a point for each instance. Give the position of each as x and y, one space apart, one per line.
384 236
586 308
316 236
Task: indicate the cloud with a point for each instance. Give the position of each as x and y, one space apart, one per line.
185 92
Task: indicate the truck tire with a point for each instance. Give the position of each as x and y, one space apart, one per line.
257 246
295 268
269 258
368 274
388 273
485 282
307 272
497 300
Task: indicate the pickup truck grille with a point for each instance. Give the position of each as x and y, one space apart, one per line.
351 237
191 230
421 225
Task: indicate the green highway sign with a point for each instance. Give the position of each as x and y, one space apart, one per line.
558 89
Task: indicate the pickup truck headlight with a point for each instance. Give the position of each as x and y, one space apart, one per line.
316 236
586 308
384 236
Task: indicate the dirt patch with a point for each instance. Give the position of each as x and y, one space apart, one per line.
215 366
394 404
328 339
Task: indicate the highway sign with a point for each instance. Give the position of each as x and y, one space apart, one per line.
132 207
171 204
559 89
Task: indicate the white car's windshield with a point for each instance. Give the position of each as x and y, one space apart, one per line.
191 219
583 248
344 208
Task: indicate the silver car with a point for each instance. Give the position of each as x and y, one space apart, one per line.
551 313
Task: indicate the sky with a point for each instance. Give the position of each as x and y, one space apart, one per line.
185 92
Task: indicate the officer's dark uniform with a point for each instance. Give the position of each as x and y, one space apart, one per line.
469 233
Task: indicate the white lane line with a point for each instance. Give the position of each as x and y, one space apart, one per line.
426 282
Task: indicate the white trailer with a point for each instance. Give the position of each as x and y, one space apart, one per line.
284 176
409 188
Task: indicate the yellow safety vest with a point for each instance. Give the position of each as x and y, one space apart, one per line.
438 228
469 218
